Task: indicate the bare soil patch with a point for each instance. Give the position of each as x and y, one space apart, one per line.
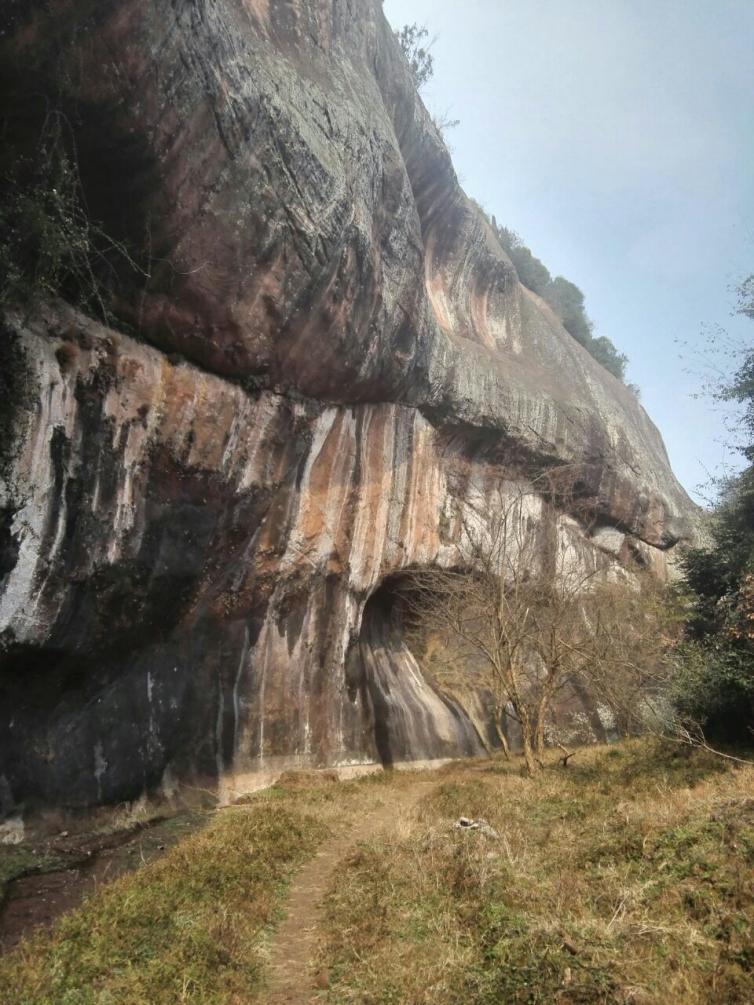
60 873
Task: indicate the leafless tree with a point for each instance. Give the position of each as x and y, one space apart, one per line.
506 620
526 614
634 629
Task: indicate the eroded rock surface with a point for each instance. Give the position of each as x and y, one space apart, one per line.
332 360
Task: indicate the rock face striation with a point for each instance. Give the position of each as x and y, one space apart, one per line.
204 514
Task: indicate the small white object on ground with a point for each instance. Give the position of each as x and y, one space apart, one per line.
467 824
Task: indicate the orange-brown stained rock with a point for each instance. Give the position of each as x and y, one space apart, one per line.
198 549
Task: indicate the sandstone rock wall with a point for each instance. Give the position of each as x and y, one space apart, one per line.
331 361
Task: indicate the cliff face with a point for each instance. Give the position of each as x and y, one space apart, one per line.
201 524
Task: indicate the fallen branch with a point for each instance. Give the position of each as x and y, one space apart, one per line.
686 739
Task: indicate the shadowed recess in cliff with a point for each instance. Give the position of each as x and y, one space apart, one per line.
79 178
412 720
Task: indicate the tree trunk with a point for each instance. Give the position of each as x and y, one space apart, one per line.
532 765
502 738
539 736
527 738
483 740
539 726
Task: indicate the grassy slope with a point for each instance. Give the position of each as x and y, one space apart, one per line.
193 926
185 929
626 878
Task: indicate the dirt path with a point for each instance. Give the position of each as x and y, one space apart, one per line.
292 980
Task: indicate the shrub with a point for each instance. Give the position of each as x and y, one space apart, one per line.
412 40
713 687
565 298
48 244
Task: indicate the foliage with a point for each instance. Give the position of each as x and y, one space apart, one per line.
412 40
48 244
746 297
712 687
740 387
565 298
532 273
14 394
715 671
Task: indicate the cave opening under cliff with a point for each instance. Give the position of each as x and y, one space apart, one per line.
413 719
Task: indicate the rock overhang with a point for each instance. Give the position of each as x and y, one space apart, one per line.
354 357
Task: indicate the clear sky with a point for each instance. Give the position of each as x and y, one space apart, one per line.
617 138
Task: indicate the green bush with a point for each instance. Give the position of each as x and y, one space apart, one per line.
565 298
714 670
412 40
713 687
48 244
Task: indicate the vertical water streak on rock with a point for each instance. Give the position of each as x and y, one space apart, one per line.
236 686
306 542
261 709
370 525
100 767
219 761
152 739
54 475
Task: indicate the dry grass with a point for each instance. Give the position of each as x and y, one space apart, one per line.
193 926
185 929
626 878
